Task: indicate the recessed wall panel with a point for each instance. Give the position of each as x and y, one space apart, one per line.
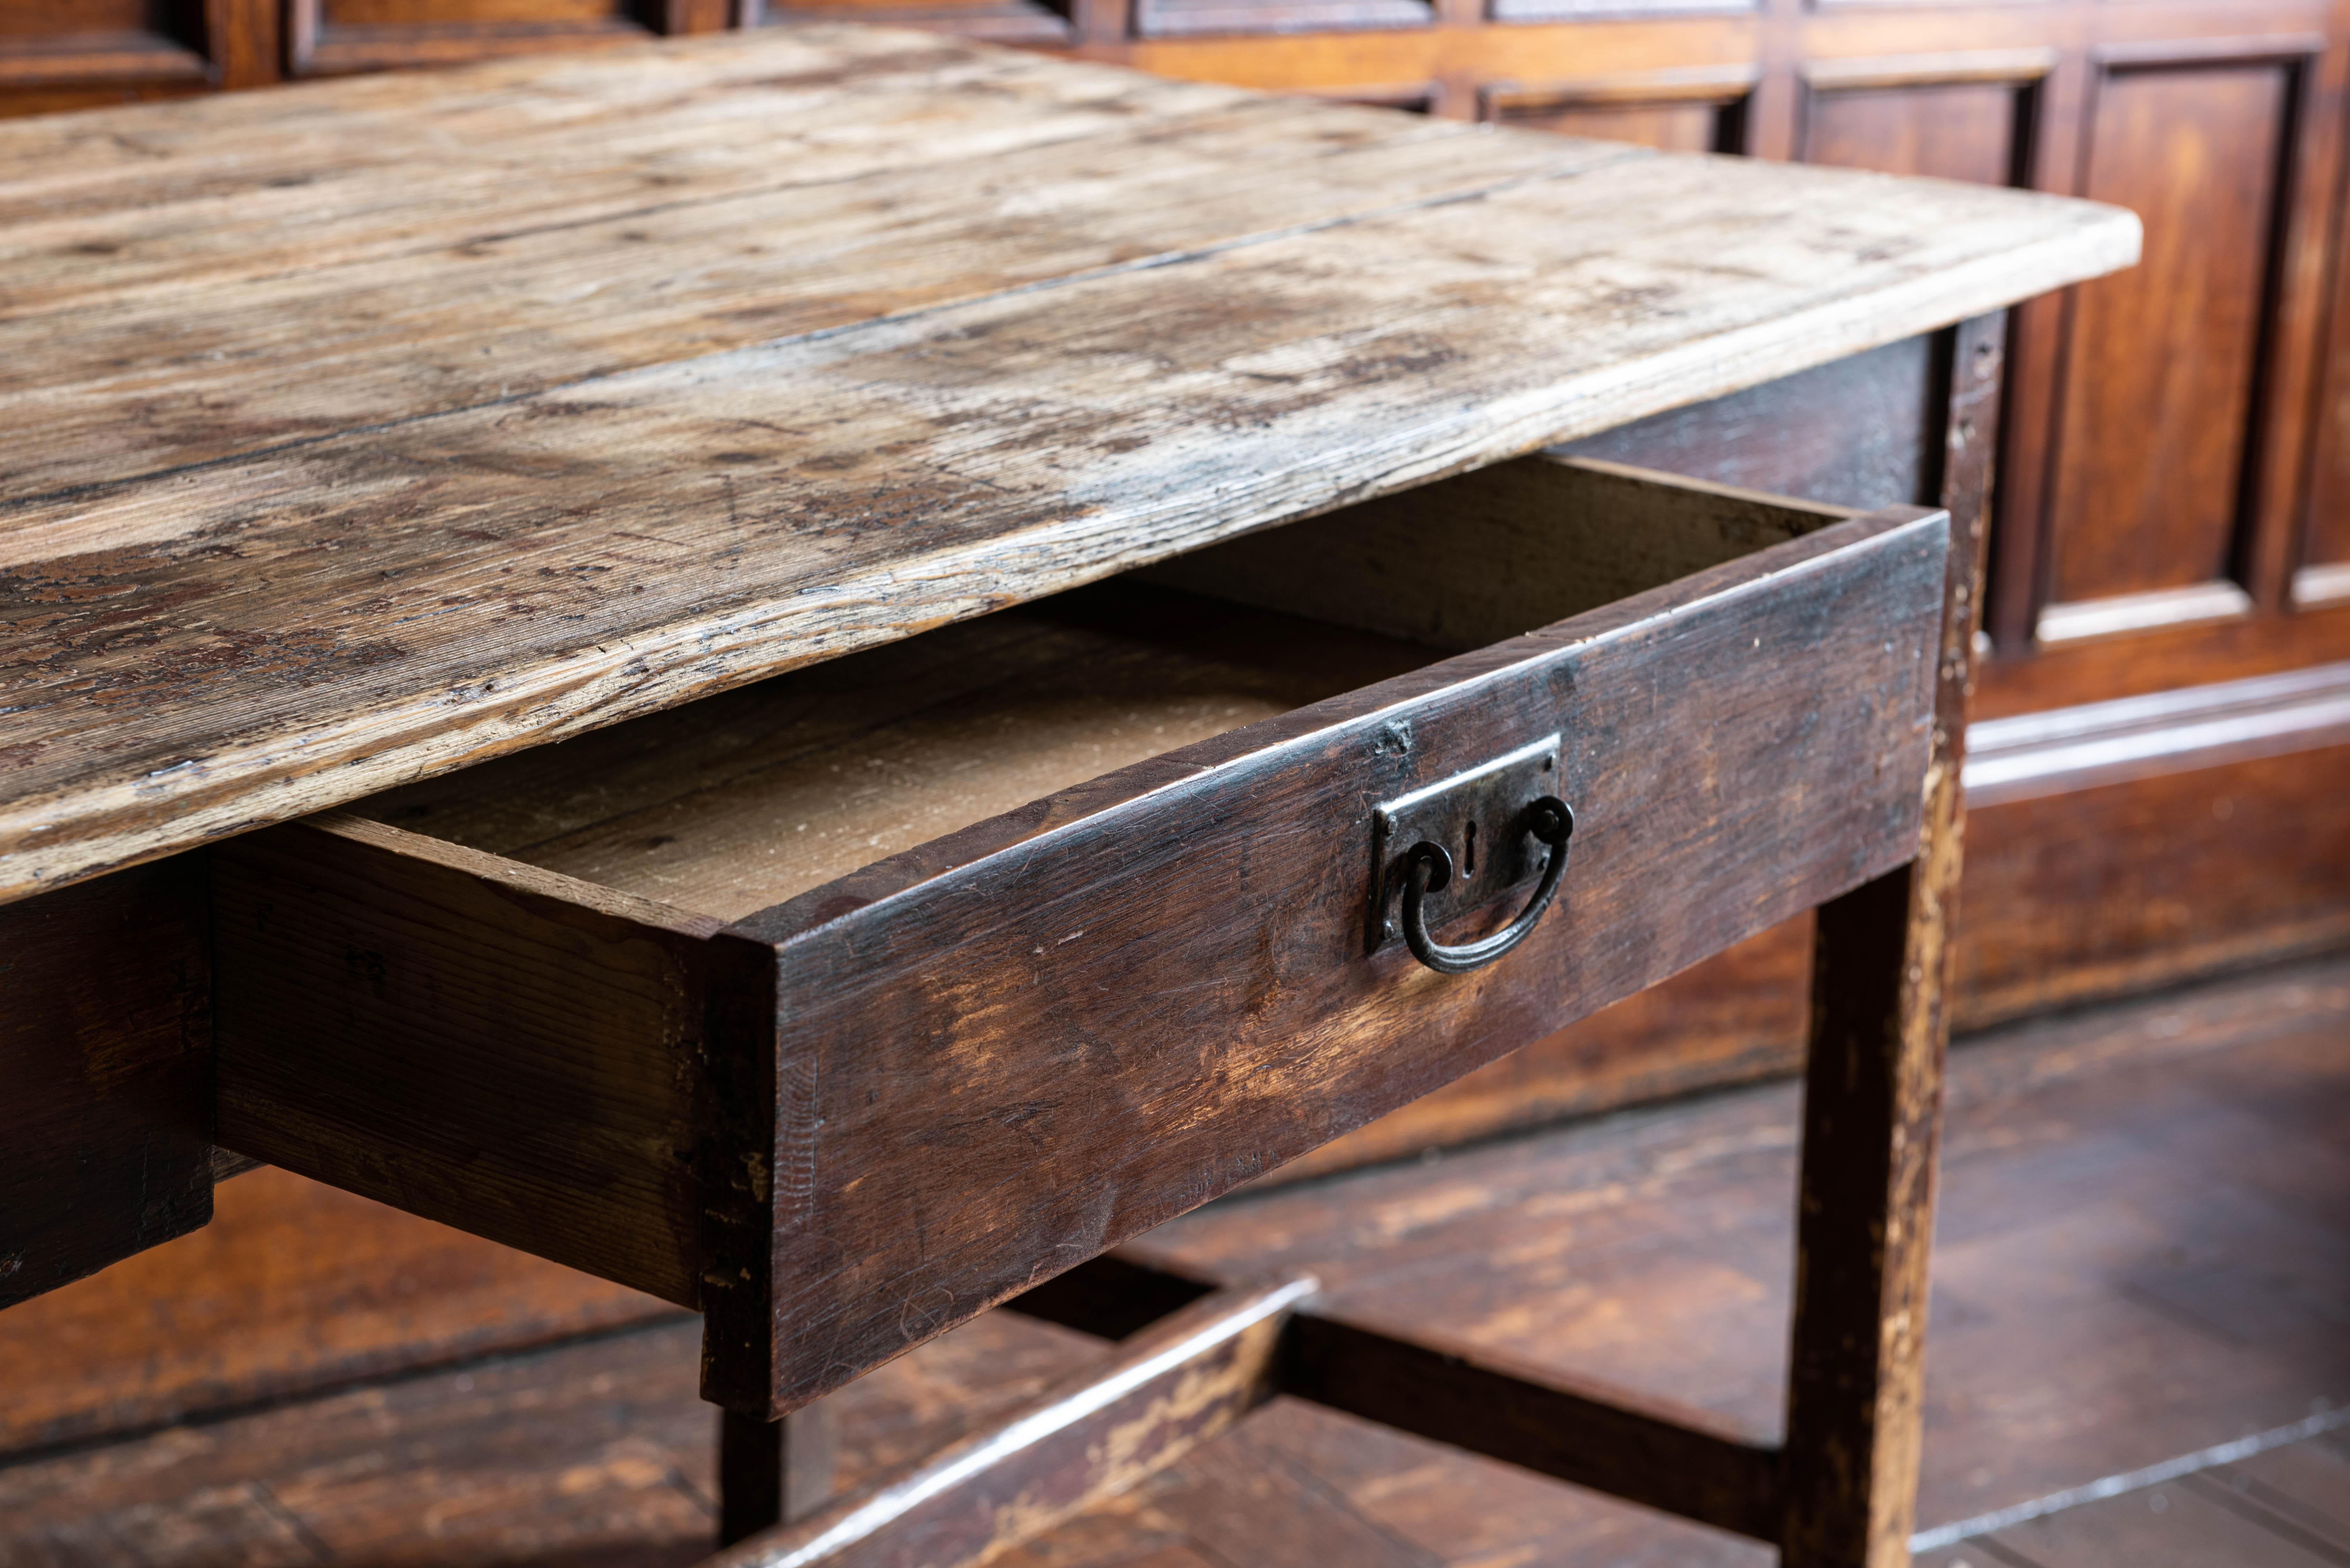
2162 361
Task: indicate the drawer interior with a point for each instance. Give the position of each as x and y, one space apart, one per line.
558 1000
738 801
746 799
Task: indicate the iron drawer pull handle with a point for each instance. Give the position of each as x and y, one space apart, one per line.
1548 819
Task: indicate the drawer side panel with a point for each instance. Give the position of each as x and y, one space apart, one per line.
470 1040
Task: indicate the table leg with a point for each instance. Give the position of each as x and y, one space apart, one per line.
1872 1107
772 1472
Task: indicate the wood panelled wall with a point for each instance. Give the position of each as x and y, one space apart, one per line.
2172 535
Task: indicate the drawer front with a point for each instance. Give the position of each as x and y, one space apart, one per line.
1001 1054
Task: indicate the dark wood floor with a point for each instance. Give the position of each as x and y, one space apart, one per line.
2140 1351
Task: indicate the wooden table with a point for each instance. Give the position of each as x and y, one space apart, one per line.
364 438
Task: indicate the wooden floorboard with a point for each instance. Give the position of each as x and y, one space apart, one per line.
2182 1524
2305 1487
2145 1252
592 1455
294 1287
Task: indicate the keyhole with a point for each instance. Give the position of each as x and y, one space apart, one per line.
1469 860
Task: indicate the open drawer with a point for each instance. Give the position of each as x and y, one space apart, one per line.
844 1006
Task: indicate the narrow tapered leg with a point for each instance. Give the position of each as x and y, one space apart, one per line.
772 1472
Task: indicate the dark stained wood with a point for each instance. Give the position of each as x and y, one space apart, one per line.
474 1041
1872 1102
245 42
1031 22
1682 111
330 36
579 1455
2322 548
1733 1018
1176 18
1115 1296
58 54
1882 962
35 19
1177 1384
1578 534
1681 1461
1958 116
2251 867
134 42
1649 1248
774 1472
2029 755
1245 1499
292 1288
1952 133
2084 1155
1742 1015
2042 95
2158 400
1863 432
2163 659
575 1457
105 1050
443 922
1304 1040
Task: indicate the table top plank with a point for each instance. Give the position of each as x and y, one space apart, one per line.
147 375
206 629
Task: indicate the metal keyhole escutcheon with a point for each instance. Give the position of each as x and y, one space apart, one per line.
1551 821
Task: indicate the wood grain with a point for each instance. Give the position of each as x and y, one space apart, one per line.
1881 971
473 1041
476 260
2173 1526
1733 1018
106 1048
293 1288
399 597
590 1145
745 800
1682 1461
1862 432
2250 866
2083 1153
1296 1038
580 1454
1950 130
2031 755
2150 476
1498 553
1171 1387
